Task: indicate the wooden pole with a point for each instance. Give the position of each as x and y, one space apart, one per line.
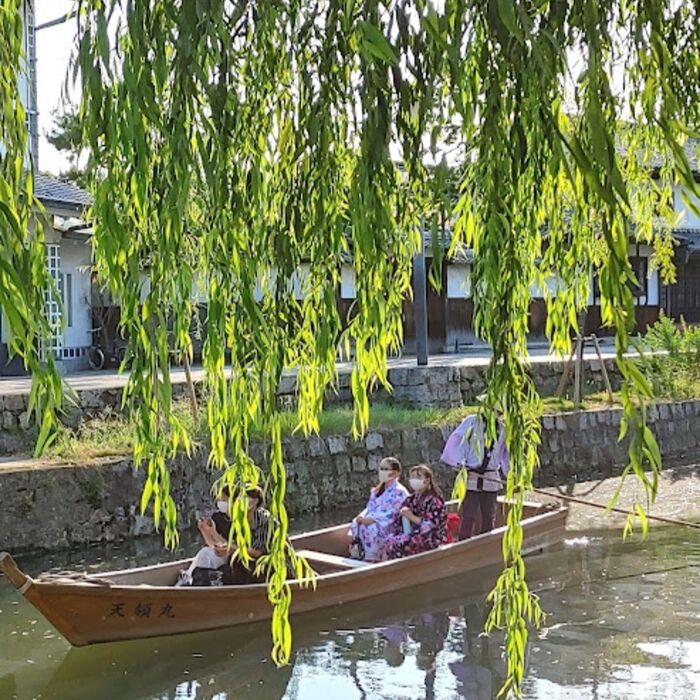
420 305
565 374
614 509
190 389
578 371
603 369
603 506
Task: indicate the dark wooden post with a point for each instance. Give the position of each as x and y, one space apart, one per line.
190 389
565 374
578 371
603 369
420 303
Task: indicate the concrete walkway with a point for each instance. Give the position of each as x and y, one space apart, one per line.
101 380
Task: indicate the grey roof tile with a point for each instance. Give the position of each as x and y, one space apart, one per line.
691 148
52 191
689 237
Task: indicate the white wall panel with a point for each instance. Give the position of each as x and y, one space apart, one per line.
459 281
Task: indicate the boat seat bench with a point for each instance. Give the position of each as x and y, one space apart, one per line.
332 559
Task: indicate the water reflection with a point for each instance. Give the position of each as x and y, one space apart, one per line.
624 622
436 653
482 669
350 654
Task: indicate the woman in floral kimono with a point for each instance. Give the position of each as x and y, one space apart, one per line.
374 523
422 521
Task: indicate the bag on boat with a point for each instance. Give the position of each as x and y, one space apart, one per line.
357 549
207 577
453 521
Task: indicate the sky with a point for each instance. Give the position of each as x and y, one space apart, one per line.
54 46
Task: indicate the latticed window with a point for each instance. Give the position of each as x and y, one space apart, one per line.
53 300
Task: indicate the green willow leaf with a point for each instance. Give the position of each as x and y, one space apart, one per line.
642 519
249 150
377 44
25 283
506 11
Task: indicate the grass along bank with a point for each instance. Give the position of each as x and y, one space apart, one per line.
669 358
114 434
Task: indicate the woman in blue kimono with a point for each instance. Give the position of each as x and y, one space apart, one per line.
373 524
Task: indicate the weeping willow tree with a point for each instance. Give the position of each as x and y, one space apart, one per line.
25 283
238 142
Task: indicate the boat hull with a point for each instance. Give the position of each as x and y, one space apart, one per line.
134 606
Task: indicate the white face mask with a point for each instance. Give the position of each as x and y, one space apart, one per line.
417 484
222 506
384 477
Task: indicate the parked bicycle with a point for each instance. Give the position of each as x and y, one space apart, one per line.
103 354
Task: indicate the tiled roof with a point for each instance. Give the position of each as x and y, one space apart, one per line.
689 237
63 194
692 153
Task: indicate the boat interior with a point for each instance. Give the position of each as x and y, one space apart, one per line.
326 550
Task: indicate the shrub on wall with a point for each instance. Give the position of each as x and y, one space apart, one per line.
671 359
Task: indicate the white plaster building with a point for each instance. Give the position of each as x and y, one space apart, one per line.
68 252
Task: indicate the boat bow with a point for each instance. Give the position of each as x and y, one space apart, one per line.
13 573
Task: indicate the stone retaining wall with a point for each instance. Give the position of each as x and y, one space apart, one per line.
49 507
450 386
435 386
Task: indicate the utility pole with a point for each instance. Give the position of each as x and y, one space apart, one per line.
420 304
33 109
58 20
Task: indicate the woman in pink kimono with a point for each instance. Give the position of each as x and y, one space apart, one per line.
373 524
421 524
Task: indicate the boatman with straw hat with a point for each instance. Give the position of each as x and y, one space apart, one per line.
487 466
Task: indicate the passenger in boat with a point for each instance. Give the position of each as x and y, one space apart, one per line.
212 564
421 524
204 568
372 526
238 572
488 466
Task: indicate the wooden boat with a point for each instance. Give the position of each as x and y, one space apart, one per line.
228 661
142 602
231 657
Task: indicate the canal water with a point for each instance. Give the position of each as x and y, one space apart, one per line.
623 622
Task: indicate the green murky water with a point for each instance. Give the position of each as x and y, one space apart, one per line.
624 622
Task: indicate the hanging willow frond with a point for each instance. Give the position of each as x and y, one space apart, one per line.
249 147
24 280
